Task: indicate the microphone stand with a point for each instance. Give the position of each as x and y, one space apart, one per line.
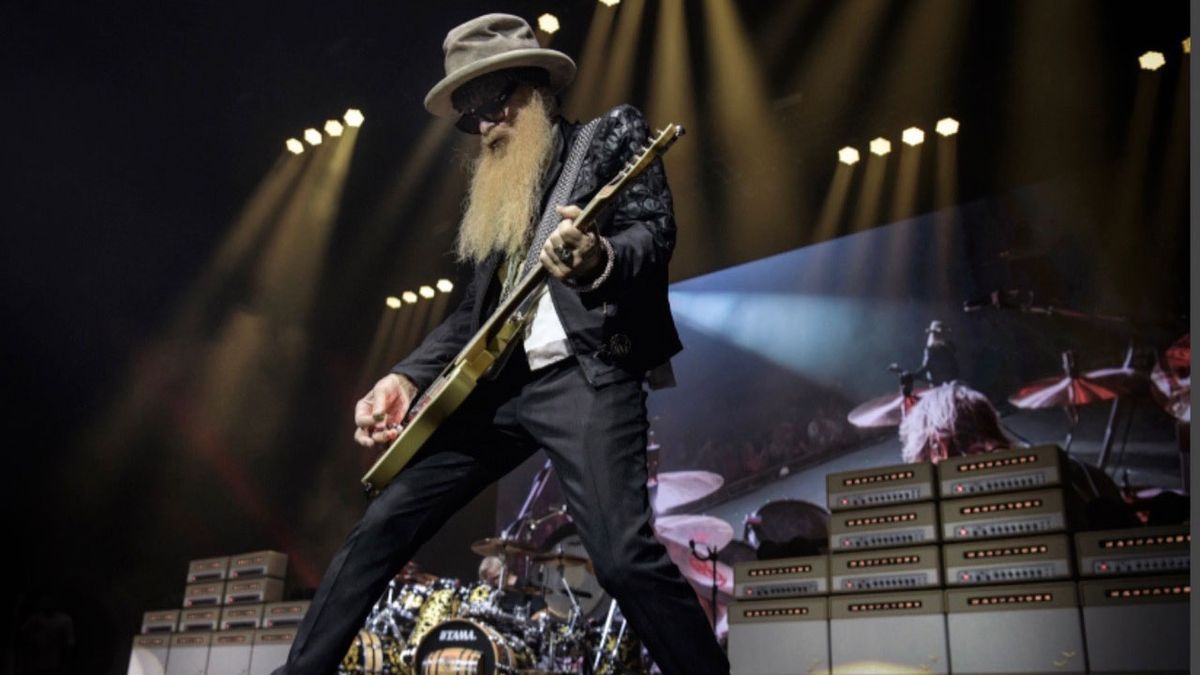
710 557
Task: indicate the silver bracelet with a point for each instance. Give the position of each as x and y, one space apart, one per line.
608 268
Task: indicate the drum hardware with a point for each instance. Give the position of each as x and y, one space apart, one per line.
710 556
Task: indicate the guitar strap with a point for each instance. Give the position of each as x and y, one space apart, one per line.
559 195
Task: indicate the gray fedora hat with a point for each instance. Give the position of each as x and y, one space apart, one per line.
489 43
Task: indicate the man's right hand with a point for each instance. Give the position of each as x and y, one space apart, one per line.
378 414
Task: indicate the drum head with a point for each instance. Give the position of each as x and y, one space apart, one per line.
550 576
462 646
788 527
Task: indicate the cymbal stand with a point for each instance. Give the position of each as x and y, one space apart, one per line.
709 557
612 608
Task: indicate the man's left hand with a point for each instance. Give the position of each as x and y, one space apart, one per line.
570 254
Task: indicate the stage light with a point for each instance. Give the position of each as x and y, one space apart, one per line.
947 126
393 302
1152 60
444 285
354 117
312 136
548 23
912 136
610 3
409 297
1187 45
426 292
848 155
881 146
333 128
294 146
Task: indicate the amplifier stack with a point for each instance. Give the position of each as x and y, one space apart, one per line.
969 566
233 620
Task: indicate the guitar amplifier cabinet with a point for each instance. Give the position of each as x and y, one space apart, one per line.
270 650
208 569
203 594
882 486
768 637
888 632
160 621
897 569
1138 550
997 561
1137 624
886 527
149 655
1000 471
189 654
1024 628
230 652
253 591
783 578
204 618
279 614
258 564
241 617
1005 515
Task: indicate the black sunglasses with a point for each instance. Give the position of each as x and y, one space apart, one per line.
492 111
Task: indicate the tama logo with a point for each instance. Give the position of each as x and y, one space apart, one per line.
456 635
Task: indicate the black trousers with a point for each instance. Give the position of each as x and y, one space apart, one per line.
596 440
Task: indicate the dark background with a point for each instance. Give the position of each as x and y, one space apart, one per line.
137 131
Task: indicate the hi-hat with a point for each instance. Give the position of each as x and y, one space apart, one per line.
501 547
884 411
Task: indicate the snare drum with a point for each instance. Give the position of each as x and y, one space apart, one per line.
464 647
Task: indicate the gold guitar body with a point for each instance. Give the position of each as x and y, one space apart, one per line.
441 398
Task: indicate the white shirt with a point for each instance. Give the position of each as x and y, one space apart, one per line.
545 339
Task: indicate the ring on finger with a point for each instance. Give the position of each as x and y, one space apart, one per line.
565 253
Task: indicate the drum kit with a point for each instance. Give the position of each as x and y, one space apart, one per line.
544 611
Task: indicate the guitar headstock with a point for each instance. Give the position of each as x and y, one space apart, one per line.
646 155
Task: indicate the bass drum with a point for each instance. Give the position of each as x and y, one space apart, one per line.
788 528
464 647
372 653
443 603
592 599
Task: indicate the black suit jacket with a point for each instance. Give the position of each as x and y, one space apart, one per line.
621 329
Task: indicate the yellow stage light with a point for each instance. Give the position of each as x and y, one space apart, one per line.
393 302
444 285
548 23
912 136
409 297
881 146
947 126
354 117
294 146
312 136
848 155
426 292
1152 60
1187 45
610 3
333 128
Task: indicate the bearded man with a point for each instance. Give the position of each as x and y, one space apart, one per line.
573 386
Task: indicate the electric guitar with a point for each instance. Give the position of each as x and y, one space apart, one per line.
495 336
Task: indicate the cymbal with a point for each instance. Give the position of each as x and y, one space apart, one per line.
704 530
412 573
1084 389
884 411
699 574
501 547
1178 356
563 558
676 488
